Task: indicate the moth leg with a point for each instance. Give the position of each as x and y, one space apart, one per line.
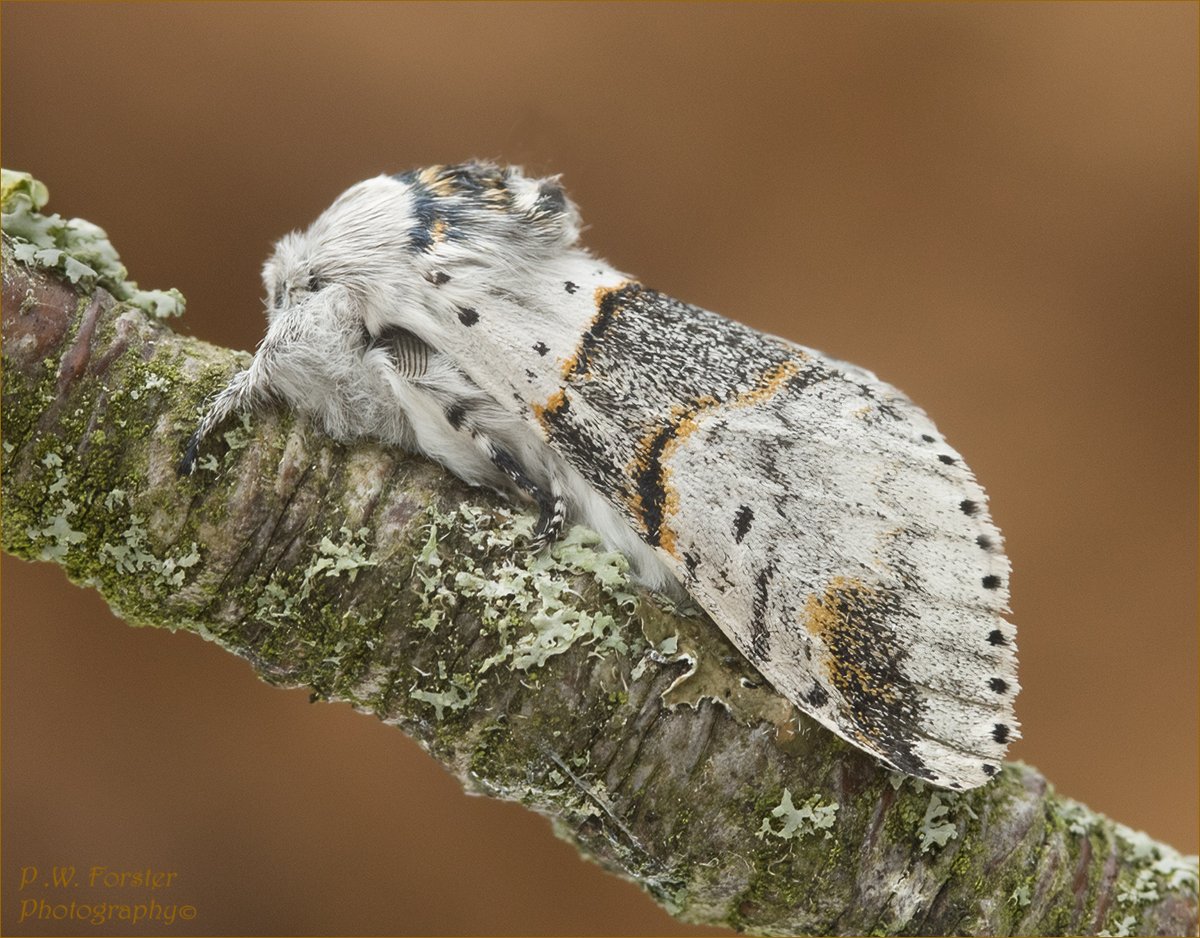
550 520
241 391
550 502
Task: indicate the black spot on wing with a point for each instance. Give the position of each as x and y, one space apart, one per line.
467 316
998 684
948 460
437 277
760 633
1000 733
455 414
741 522
996 637
968 507
817 697
690 563
541 348
571 287
991 582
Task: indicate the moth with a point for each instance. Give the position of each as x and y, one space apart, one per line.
813 511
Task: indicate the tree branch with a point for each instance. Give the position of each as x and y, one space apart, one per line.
372 577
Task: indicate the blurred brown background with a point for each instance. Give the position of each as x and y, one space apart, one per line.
994 207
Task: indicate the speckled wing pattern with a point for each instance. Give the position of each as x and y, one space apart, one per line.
813 511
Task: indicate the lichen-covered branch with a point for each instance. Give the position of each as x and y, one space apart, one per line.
371 576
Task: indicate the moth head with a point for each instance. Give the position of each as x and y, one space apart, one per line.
292 275
385 248
325 270
322 285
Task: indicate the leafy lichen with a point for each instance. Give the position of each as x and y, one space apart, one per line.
527 601
936 828
77 249
344 557
1151 869
812 816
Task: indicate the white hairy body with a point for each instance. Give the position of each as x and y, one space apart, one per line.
813 511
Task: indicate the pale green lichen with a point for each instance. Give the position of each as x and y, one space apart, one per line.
333 559
1151 869
1175 869
53 527
812 816
528 600
528 604
57 532
1178 871
275 604
239 437
1156 865
1020 896
132 554
75 248
1079 818
281 602
1124 928
1143 889
936 828
663 652
53 535
458 696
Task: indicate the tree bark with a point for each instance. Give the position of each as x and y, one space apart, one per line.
373 577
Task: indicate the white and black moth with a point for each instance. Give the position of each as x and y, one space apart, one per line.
812 510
